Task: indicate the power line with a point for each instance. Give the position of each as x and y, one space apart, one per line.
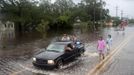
117 9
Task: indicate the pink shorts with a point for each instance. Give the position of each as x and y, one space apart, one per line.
101 51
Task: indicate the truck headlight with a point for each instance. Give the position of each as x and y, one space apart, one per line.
77 43
50 62
34 59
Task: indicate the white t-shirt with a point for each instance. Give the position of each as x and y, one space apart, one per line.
109 41
65 39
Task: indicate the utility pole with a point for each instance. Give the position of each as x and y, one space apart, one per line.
117 15
122 14
116 11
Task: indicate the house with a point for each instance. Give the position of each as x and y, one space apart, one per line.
6 26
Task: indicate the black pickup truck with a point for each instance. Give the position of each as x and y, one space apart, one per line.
56 54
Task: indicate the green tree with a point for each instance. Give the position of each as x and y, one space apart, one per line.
28 14
63 13
96 11
42 27
24 13
116 21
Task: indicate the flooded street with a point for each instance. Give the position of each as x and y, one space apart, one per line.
16 52
122 62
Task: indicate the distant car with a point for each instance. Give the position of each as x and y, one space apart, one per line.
56 54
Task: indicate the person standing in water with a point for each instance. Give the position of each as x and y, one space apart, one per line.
109 43
101 47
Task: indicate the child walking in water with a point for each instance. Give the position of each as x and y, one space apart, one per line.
101 48
109 43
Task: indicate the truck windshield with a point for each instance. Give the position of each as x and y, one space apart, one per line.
56 47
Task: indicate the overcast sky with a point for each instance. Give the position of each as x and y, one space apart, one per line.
123 5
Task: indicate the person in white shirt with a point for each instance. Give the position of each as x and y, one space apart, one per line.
109 43
65 38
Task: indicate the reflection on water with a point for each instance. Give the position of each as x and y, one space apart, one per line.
23 47
9 40
6 38
19 60
30 43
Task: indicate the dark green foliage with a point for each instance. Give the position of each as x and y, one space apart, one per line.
32 15
116 21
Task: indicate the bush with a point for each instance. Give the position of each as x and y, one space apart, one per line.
43 26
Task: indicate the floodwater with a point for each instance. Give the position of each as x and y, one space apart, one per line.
13 44
16 52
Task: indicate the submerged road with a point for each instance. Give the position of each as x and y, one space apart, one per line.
121 54
123 62
101 67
